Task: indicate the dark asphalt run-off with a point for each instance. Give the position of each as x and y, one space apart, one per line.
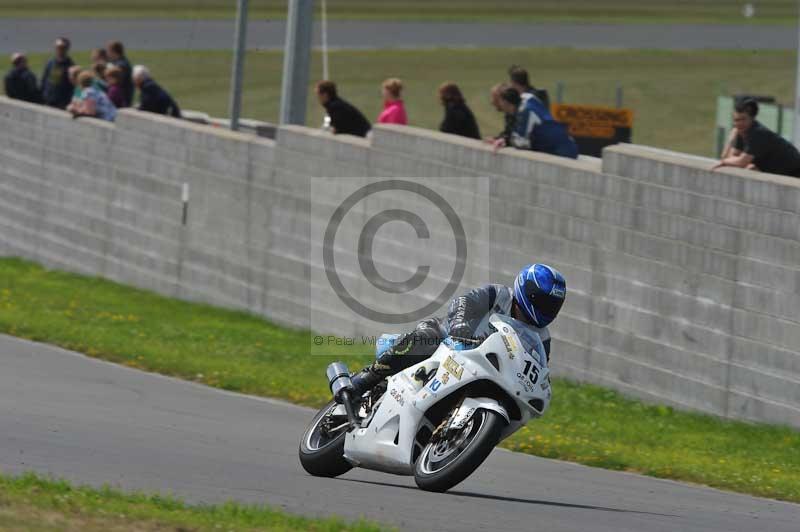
93 422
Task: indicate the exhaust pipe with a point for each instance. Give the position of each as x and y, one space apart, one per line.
339 378
341 386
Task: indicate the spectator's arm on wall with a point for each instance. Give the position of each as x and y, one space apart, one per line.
734 153
738 159
729 148
174 110
742 160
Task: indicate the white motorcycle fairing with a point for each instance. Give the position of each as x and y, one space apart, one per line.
387 439
468 407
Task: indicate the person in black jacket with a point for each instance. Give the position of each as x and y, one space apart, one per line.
755 147
20 82
458 118
518 77
57 89
152 98
345 118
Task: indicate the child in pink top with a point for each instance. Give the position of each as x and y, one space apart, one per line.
394 112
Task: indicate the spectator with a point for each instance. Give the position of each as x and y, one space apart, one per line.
114 81
99 70
345 118
99 58
394 112
78 92
458 118
520 82
752 145
94 102
20 82
508 118
534 127
99 55
116 56
152 98
56 86
73 73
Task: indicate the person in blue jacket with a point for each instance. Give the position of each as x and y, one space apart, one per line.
534 127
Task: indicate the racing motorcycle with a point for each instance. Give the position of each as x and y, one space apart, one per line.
437 420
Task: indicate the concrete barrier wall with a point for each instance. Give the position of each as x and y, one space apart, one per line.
736 239
684 283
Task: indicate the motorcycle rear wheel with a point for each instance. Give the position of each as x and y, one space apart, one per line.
320 455
443 464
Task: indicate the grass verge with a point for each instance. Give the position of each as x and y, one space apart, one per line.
672 93
616 11
237 351
35 504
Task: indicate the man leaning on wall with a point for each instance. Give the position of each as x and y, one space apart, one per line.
152 97
755 147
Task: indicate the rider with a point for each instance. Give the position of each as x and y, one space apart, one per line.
538 293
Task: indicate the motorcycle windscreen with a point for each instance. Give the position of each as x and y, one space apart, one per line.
531 341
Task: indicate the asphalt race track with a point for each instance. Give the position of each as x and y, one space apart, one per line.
37 35
94 422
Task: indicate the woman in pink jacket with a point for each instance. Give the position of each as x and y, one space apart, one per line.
394 112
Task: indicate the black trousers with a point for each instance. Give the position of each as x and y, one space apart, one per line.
411 348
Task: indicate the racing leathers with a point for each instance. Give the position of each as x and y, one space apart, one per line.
467 320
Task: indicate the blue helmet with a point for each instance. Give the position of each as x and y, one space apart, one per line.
540 291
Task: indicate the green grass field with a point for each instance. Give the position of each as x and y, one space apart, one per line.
673 94
647 11
36 504
241 352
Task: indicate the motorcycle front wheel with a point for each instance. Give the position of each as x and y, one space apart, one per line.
446 462
321 449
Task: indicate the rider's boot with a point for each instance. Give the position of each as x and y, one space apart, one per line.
368 378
